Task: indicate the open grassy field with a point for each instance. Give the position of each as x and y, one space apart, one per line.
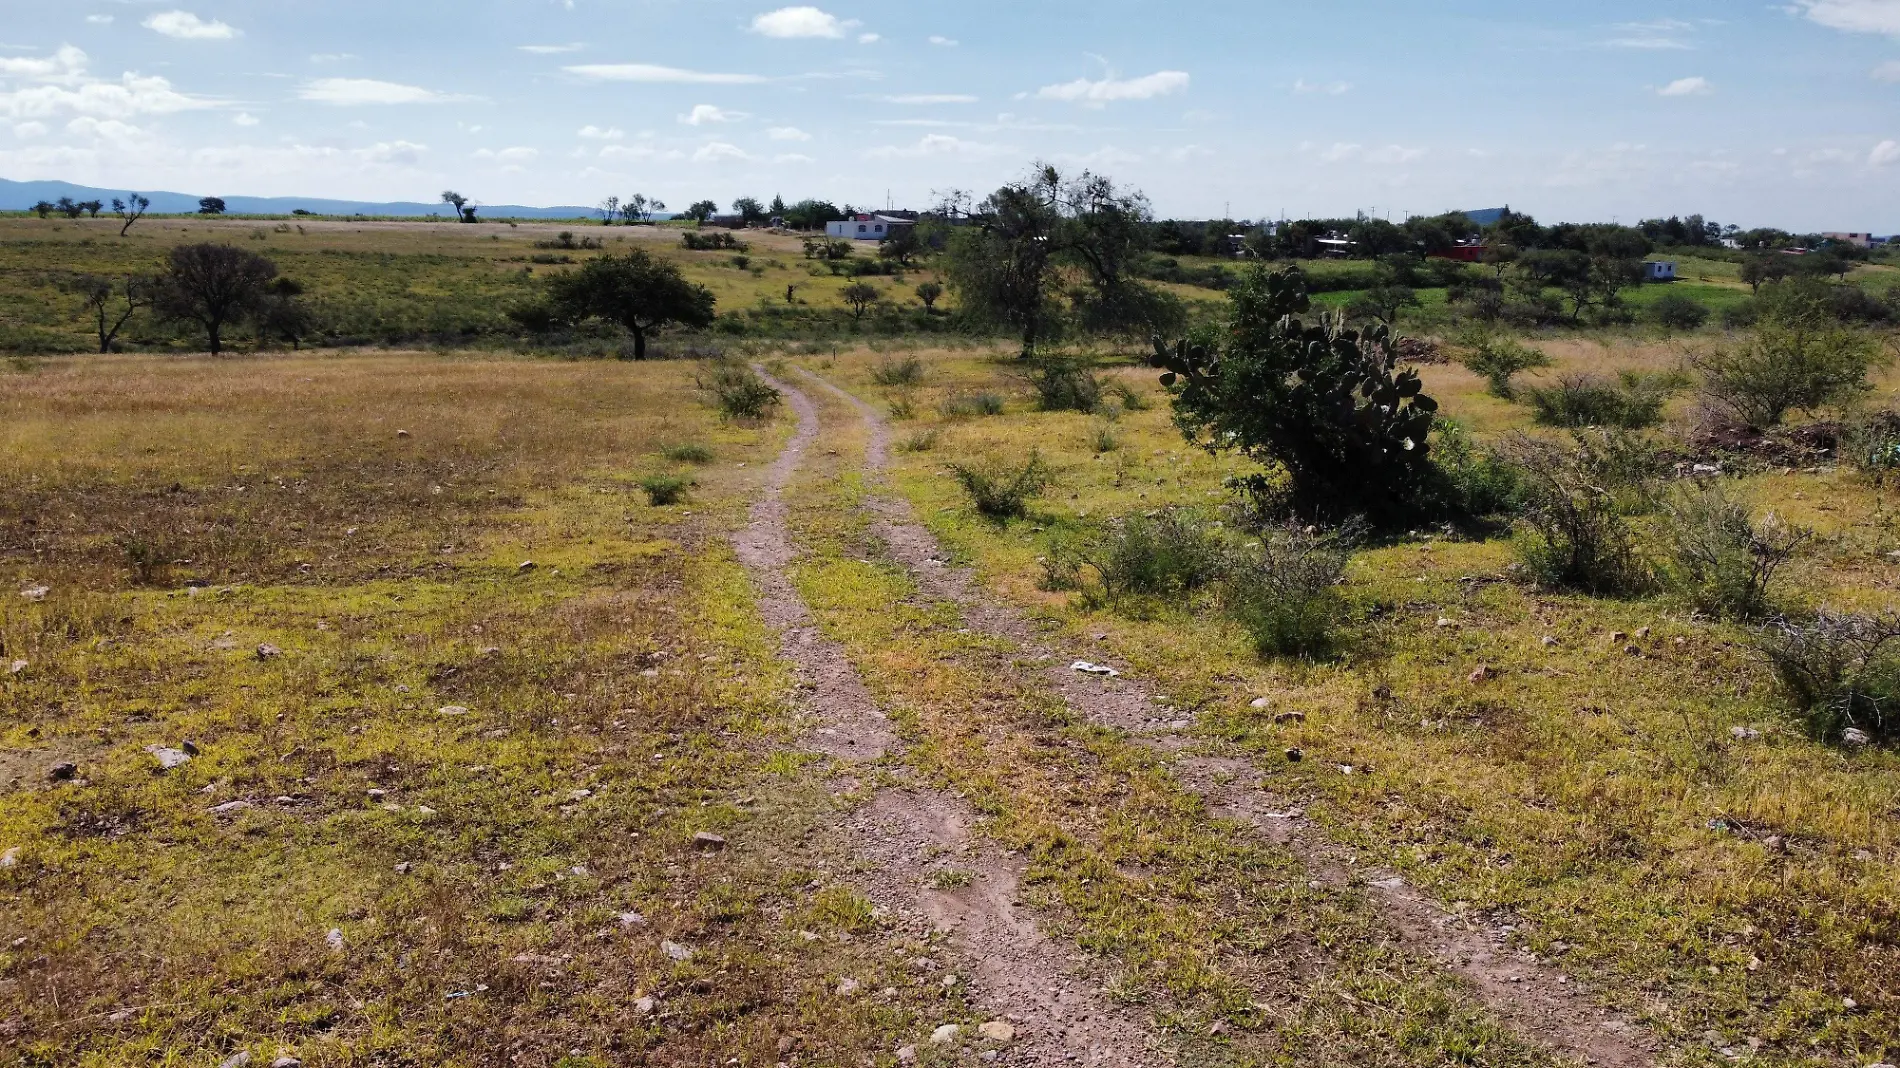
440 805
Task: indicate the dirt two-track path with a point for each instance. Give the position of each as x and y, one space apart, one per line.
1017 969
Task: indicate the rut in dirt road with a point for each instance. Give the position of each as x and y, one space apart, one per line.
1537 1001
906 838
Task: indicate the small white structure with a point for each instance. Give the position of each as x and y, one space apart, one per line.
867 227
1659 271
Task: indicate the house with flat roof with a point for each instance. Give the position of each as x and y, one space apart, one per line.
868 227
1857 240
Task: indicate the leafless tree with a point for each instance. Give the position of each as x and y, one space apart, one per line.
112 302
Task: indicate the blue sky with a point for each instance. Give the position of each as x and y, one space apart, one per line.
1765 114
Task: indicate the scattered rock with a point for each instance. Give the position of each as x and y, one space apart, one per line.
1642 632
237 1060
848 988
286 1061
708 842
525 566
16 667
1484 673
1100 670
267 651
1290 717
631 919
376 793
404 868
1259 702
62 771
908 1055
334 939
402 433
1856 737
1295 756
451 710
190 747
945 1035
10 858
1444 623
644 1006
676 951
167 757
1617 637
229 807
1631 650
1550 641
997 1031
36 593
1744 734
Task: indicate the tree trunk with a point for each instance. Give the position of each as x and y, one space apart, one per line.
639 343
215 330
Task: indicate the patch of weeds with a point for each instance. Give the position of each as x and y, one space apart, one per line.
1632 400
972 405
903 406
1169 553
1064 384
1498 360
688 454
1721 559
663 490
840 908
738 391
1842 673
1284 589
1574 532
908 371
950 879
1131 399
1871 444
921 441
1003 491
1103 437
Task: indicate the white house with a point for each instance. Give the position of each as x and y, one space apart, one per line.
867 227
1659 271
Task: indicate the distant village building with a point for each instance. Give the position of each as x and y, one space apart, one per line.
1857 240
1659 271
866 227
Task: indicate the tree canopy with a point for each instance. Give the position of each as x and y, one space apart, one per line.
213 286
635 290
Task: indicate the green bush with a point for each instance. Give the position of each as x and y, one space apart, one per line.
1064 384
1163 554
1721 559
921 441
1103 437
1499 359
1003 491
1632 400
1787 367
1871 444
665 489
1284 589
908 371
1478 482
688 453
1841 672
1573 534
738 391
972 405
1132 399
1674 311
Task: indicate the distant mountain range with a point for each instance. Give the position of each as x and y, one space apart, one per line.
21 196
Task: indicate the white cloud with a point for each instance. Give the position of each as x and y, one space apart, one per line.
64 65
930 98
131 95
793 157
400 153
595 133
1854 16
1884 154
720 152
100 20
186 26
943 42
707 114
352 92
332 57
787 133
549 50
102 129
793 22
511 156
650 73
1390 155
1687 87
245 118
935 145
1306 88
1110 89
26 130
1651 42
870 38
1888 72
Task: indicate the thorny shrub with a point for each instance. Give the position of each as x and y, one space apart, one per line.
1841 672
1721 559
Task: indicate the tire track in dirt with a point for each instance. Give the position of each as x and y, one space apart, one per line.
1537 1001
919 858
